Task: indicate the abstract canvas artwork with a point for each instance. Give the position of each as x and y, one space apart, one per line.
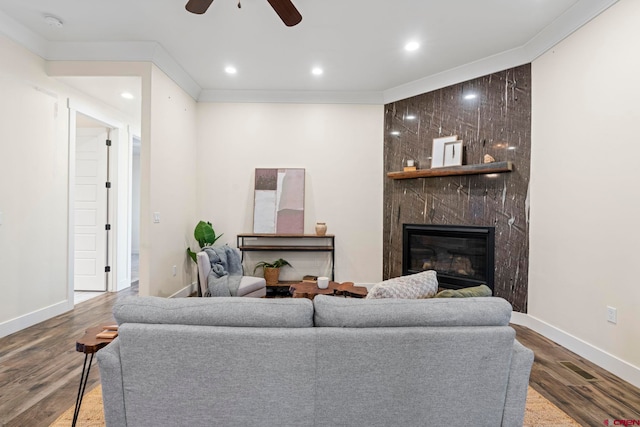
279 201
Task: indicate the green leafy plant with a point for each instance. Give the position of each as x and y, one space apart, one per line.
275 264
205 235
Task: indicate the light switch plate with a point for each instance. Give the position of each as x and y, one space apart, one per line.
156 217
0 217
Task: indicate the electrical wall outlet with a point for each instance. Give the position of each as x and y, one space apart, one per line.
612 315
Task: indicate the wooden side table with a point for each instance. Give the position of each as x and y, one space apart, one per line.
89 345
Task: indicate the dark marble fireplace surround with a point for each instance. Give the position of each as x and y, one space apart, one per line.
496 122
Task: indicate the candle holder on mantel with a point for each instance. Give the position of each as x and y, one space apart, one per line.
410 165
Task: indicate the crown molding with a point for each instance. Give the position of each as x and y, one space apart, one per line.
566 24
125 52
491 64
22 35
571 20
293 97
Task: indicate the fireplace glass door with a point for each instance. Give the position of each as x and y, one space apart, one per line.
462 256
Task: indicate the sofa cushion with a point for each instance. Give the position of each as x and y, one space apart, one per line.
475 291
419 285
224 311
364 313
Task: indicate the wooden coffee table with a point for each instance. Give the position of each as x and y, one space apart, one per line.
310 290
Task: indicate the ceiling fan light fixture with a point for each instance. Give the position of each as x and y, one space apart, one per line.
283 8
198 6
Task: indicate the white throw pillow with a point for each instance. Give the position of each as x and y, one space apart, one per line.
419 285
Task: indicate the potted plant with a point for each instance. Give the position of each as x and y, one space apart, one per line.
205 235
271 270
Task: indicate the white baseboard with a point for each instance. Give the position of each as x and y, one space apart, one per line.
186 291
19 323
611 363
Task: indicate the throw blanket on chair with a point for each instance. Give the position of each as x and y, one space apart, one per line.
226 271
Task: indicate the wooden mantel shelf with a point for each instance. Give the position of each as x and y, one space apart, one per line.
484 168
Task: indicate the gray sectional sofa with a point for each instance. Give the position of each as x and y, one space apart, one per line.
331 362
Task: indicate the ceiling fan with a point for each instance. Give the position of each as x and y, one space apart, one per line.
284 8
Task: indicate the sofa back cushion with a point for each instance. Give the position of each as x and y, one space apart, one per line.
412 376
184 375
243 312
370 313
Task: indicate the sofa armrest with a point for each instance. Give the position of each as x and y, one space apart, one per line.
112 387
516 399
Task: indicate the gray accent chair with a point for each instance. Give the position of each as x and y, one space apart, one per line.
331 362
250 286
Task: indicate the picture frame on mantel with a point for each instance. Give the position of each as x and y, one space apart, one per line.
453 153
437 151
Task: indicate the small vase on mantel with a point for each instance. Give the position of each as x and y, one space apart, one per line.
321 228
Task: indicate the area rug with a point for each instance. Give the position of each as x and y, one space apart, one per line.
539 412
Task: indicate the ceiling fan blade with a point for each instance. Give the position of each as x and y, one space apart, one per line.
286 11
198 6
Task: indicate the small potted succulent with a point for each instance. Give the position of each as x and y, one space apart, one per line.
271 270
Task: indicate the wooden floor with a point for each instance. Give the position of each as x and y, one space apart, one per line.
40 368
588 393
40 372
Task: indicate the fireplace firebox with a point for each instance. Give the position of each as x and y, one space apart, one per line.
463 256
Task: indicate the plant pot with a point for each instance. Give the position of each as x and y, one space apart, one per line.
271 276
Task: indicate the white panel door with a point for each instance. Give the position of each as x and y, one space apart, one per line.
90 210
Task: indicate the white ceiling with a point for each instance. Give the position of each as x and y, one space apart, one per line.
358 43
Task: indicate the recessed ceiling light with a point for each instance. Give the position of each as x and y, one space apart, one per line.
410 117
126 95
317 71
411 46
395 133
230 70
470 96
52 21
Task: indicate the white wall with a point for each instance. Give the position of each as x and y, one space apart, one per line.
168 186
34 196
33 190
585 202
340 146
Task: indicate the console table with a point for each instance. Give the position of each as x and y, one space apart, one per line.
288 243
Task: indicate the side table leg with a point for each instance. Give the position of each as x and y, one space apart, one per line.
83 384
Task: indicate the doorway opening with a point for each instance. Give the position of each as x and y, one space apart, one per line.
135 212
91 206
